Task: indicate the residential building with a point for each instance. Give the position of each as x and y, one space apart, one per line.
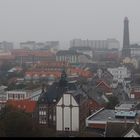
126 106
135 92
120 73
16 95
118 129
2 96
23 94
96 44
74 99
135 50
133 132
67 113
48 45
100 118
28 45
6 46
84 50
24 56
106 55
26 105
134 61
72 57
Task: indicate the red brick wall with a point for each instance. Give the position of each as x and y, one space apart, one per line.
100 126
93 105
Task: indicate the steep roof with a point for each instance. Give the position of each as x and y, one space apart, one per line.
56 90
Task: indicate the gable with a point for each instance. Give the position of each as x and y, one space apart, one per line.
104 86
60 101
107 74
67 99
132 133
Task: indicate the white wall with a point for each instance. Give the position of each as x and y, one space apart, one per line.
67 117
119 73
59 119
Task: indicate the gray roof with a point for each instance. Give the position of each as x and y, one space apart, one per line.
55 92
109 115
67 52
95 94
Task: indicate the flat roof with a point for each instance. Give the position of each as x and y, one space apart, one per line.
108 114
127 114
125 106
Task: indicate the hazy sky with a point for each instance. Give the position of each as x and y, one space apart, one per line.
63 20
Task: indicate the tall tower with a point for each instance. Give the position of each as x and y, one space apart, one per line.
126 45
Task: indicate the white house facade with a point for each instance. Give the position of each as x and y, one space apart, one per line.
132 133
67 113
119 73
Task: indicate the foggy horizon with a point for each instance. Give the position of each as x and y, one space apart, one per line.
44 20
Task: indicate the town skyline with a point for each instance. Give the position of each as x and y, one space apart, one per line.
64 21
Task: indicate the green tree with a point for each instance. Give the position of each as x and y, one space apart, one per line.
113 101
16 123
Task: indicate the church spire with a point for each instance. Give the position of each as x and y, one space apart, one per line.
63 80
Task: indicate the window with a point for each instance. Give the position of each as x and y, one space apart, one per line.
66 128
42 120
19 96
53 117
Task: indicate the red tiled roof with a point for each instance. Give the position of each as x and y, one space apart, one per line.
52 64
24 52
57 74
81 72
26 105
7 57
104 83
42 53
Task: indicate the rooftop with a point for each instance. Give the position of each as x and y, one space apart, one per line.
126 106
26 105
107 114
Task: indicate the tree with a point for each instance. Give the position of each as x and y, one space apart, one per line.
113 101
16 123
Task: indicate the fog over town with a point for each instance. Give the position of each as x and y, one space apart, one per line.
69 68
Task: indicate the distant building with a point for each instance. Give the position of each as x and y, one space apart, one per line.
96 44
135 50
85 50
106 55
135 92
28 45
2 96
48 45
52 46
6 46
24 56
72 56
119 73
